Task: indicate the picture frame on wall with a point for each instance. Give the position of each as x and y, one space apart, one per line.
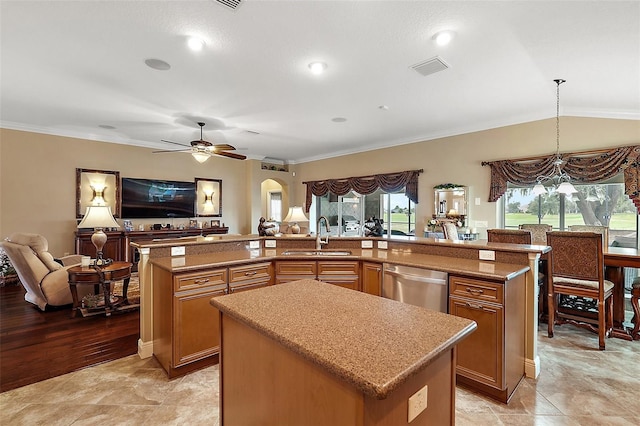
215 223
208 197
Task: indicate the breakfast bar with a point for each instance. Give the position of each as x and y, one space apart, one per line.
305 352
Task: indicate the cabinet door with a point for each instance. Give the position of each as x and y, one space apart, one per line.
294 270
196 326
250 275
111 250
342 273
372 278
480 355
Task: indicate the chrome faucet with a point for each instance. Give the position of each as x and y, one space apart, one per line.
319 241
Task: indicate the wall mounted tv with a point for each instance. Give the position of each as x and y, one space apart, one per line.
153 198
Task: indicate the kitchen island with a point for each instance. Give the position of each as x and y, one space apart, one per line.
309 353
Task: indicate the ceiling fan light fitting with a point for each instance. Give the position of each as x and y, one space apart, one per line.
200 157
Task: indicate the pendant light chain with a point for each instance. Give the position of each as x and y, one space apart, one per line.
558 83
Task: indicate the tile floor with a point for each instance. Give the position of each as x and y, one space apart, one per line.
579 385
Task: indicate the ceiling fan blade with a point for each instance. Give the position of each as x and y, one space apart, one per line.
231 155
223 147
175 143
172 150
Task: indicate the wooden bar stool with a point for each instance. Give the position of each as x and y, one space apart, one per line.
635 297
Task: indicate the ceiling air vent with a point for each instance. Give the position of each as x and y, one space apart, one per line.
430 66
231 4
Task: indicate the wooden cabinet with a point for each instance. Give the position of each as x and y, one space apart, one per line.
186 328
248 277
371 281
491 359
111 250
343 273
292 270
337 272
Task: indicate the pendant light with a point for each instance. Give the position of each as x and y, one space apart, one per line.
559 176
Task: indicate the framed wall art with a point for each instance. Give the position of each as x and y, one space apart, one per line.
208 197
97 188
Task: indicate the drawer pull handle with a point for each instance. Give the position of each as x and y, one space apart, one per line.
204 280
250 274
475 290
474 306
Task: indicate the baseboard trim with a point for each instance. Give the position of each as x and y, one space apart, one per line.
145 349
532 367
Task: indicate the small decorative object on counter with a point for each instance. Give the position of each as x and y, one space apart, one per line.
266 229
373 227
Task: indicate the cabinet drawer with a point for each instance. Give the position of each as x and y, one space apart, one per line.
190 281
257 272
338 268
476 289
296 268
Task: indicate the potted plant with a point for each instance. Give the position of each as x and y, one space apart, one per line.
8 273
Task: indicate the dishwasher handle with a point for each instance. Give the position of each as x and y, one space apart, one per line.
418 278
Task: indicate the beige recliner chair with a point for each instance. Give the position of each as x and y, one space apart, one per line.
46 281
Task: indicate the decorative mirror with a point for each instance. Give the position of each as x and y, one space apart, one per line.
450 200
208 197
97 188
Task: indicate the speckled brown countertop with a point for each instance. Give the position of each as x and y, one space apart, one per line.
373 343
470 267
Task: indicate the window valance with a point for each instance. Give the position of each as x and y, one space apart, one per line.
389 182
583 167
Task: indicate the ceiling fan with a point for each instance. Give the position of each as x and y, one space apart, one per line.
202 150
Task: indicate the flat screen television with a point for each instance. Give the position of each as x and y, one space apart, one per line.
154 198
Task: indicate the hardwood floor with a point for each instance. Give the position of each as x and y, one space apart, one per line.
36 345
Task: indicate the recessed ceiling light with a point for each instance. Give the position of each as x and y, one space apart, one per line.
339 119
442 38
317 67
196 44
384 107
157 64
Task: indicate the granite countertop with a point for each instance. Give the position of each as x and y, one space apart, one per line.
373 343
470 267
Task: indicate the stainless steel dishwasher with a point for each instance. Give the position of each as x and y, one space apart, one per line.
416 286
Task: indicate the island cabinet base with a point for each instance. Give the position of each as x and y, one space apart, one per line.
263 382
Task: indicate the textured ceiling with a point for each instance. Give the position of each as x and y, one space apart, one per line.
70 67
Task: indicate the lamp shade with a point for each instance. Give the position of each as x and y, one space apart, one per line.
539 189
566 188
295 215
98 217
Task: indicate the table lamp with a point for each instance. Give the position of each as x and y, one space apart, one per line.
99 217
295 215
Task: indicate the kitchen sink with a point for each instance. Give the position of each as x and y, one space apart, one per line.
317 253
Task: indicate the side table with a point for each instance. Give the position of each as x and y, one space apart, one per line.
99 276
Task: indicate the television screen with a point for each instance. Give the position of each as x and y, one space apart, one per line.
153 198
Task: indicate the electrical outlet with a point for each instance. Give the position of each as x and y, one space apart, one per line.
477 201
417 403
254 244
487 254
177 251
382 245
366 244
270 243
482 224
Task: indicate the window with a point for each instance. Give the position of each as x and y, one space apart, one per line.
596 204
274 210
347 214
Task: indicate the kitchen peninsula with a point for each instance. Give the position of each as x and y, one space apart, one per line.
206 267
315 354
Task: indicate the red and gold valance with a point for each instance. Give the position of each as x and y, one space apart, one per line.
583 167
389 182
